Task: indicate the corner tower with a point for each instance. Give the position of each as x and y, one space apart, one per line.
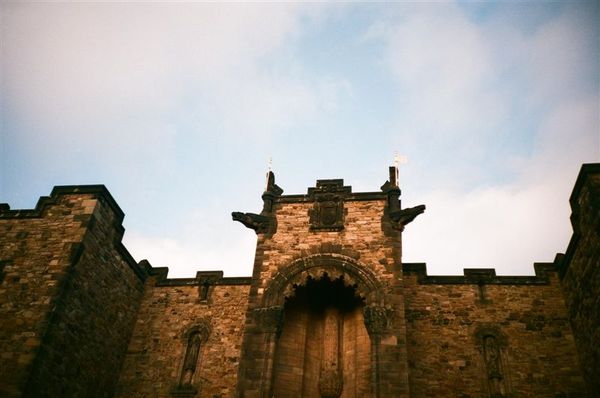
325 315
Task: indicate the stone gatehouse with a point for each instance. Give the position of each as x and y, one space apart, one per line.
329 311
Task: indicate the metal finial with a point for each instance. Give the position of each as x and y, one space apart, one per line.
398 160
269 167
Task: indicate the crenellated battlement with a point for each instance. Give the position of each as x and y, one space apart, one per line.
477 276
98 191
202 277
87 219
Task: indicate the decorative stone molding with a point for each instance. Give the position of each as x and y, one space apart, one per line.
378 319
316 266
328 211
202 326
490 329
330 383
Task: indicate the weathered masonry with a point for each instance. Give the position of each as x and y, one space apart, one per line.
329 311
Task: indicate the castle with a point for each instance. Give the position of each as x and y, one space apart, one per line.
329 311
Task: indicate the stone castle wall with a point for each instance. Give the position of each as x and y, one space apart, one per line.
69 296
37 248
581 273
79 317
446 316
157 348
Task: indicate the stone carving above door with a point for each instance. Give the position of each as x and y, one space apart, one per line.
328 211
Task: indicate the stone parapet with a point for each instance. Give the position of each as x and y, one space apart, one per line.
474 276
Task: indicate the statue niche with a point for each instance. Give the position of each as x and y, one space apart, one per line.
491 344
491 355
194 339
324 349
191 359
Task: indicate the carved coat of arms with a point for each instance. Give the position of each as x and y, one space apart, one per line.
328 211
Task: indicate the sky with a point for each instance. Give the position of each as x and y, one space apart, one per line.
177 108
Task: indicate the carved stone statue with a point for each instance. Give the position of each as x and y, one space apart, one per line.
491 353
491 342
191 358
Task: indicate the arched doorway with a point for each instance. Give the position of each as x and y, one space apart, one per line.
268 315
324 349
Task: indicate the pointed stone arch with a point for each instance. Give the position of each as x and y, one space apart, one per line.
353 274
375 314
201 326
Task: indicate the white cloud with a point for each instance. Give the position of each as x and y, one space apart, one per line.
124 65
157 90
445 67
464 82
561 57
262 105
509 226
227 246
148 92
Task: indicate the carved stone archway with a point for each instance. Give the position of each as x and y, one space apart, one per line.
268 316
315 266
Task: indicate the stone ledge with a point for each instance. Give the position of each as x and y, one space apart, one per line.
348 197
335 186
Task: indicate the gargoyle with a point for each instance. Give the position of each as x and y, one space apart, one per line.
256 222
400 218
